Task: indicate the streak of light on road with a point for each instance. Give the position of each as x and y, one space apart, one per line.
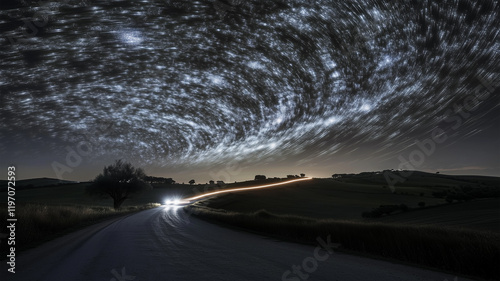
191 199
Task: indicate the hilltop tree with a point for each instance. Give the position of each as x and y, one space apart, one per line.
191 182
150 179
118 181
260 177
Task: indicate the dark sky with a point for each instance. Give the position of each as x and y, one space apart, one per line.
230 89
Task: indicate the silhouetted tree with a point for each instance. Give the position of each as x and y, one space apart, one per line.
191 182
211 182
260 177
118 181
302 175
150 179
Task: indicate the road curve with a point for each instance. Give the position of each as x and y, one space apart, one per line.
168 244
233 190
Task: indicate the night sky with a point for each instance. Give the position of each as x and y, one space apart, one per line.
225 90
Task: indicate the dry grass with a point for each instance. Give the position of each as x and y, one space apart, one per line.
37 223
463 251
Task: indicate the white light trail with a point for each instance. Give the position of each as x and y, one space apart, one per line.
190 199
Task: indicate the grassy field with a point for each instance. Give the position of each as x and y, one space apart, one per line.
38 223
460 237
34 183
348 199
461 251
46 212
71 194
321 198
480 214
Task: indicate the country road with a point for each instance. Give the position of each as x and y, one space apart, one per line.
168 244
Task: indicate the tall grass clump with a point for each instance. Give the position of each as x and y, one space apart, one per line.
37 223
463 251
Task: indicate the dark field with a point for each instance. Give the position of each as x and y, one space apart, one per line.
347 199
460 235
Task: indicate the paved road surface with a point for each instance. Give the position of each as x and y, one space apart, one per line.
168 244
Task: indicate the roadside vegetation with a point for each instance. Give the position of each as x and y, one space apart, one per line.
49 208
364 198
72 208
444 222
462 251
38 223
119 181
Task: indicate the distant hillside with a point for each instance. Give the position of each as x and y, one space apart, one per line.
481 214
422 179
348 196
35 183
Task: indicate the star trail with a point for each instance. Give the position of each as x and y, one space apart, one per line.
194 85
